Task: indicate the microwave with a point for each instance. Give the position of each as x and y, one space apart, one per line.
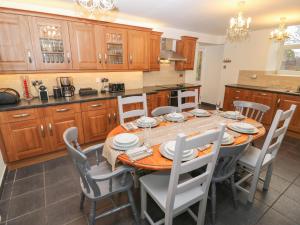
116 87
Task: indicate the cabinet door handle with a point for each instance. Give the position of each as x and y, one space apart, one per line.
29 56
278 102
50 129
236 97
68 57
109 117
263 94
63 110
42 131
100 58
96 105
130 59
105 58
115 116
21 115
237 91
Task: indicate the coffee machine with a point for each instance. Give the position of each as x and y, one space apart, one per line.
66 84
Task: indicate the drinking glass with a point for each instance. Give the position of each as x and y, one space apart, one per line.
218 106
147 137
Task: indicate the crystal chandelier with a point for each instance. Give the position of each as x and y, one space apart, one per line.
280 34
239 26
92 5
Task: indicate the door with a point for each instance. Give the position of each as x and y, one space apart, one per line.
163 98
50 40
83 45
285 102
189 52
138 50
15 43
24 139
115 48
155 51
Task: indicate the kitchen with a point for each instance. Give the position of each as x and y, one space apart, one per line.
69 65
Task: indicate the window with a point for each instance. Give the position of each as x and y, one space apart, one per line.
290 53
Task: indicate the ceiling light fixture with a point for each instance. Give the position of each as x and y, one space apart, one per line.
281 33
239 26
92 5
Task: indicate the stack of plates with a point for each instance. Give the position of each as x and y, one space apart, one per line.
228 139
200 112
168 150
235 115
242 127
175 117
125 141
145 121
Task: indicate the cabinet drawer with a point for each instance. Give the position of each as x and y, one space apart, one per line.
18 115
95 105
62 110
263 93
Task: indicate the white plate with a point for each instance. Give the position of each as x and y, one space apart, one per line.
242 131
200 112
244 126
164 153
125 148
229 141
125 145
146 120
170 118
125 139
170 147
232 115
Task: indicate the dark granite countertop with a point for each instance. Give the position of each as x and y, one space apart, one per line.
268 89
36 102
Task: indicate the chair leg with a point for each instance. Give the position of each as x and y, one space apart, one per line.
143 202
201 211
168 217
134 211
92 213
253 186
268 177
233 188
213 202
82 198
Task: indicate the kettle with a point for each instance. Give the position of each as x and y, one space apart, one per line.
9 96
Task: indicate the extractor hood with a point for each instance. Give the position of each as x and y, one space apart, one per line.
167 50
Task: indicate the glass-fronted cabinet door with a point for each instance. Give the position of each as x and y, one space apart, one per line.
115 48
51 43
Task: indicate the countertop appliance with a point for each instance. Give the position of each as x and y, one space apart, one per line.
9 96
116 87
87 91
43 93
66 84
104 85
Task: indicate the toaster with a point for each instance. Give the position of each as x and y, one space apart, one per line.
116 87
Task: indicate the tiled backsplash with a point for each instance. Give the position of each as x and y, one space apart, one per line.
268 79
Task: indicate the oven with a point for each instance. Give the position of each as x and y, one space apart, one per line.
174 97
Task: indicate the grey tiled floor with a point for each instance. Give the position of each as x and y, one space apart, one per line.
48 194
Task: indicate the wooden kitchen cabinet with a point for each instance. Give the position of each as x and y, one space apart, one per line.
186 47
235 94
50 40
138 50
155 38
83 45
285 102
15 44
163 98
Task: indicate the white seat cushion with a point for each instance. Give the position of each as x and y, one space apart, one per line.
156 184
250 157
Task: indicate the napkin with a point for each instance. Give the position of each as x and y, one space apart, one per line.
139 153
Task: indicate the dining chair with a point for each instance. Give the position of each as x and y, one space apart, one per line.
188 94
163 110
175 192
254 160
225 169
98 181
132 113
251 109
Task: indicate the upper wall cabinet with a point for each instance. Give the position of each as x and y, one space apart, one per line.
138 50
15 43
83 45
50 39
155 50
186 47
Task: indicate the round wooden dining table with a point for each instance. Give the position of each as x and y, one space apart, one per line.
157 162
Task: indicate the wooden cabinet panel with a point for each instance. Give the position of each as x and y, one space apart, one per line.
15 43
151 103
163 98
285 101
138 49
186 47
155 38
235 94
83 45
95 105
18 115
50 39
24 139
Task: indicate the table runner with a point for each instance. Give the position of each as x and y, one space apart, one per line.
166 131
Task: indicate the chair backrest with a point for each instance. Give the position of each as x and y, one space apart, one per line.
251 109
80 161
227 160
132 113
276 134
203 180
163 110
188 94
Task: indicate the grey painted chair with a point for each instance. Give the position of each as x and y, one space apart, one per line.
225 169
254 160
98 182
251 109
175 192
163 110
